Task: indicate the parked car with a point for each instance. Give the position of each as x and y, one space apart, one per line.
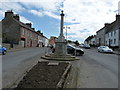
74 50
105 49
3 50
87 46
82 45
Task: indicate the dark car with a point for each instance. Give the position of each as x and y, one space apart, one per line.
3 50
74 50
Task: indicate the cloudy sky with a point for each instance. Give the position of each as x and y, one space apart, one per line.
84 17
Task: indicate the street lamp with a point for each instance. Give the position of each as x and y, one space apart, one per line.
66 27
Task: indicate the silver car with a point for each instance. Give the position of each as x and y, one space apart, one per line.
105 49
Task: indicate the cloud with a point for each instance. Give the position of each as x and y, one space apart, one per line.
46 5
1 14
119 7
89 15
24 20
35 12
11 6
52 15
42 13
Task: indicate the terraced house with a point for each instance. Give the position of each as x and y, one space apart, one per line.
109 35
112 33
100 36
18 33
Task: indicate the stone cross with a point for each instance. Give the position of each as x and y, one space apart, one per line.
60 46
62 22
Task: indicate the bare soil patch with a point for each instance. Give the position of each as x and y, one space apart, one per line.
43 75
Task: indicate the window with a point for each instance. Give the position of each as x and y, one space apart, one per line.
114 32
114 41
23 31
111 42
30 34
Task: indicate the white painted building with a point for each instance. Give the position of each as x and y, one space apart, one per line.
100 36
93 41
112 33
40 41
45 41
112 38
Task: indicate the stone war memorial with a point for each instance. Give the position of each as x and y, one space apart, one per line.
60 46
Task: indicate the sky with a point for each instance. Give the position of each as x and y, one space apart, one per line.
84 17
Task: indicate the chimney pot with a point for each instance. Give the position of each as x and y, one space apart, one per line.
16 16
29 24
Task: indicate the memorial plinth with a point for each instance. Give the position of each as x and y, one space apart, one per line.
60 47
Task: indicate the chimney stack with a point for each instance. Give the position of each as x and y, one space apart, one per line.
29 24
39 31
117 17
16 16
107 24
33 29
8 13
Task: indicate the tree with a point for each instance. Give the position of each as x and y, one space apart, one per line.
76 42
69 41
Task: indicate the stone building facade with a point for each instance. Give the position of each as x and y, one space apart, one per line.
93 41
18 33
100 37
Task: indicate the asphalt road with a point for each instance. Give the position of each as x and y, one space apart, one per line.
94 70
14 64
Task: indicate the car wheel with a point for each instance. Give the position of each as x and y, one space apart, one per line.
77 53
4 53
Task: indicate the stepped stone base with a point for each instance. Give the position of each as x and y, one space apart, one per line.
60 57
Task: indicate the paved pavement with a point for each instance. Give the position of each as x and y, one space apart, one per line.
14 64
116 52
94 70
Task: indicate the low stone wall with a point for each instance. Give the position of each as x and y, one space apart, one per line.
7 46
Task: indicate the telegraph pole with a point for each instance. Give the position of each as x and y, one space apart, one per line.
66 27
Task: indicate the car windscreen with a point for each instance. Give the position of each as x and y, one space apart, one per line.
105 47
69 46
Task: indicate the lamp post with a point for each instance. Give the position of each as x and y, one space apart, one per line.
66 27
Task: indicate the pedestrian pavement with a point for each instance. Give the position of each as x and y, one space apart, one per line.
116 52
19 49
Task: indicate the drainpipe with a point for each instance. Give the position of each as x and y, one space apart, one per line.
119 40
